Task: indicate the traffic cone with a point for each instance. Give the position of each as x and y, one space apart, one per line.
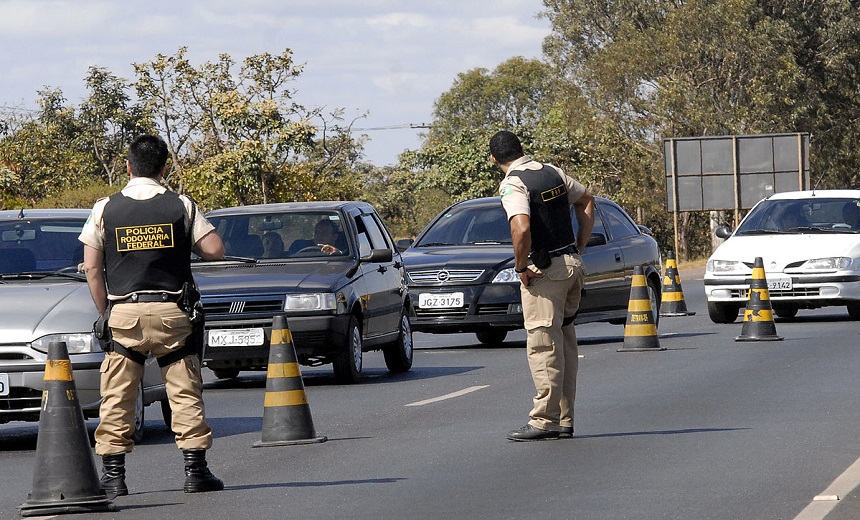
640 331
65 478
672 303
758 317
286 414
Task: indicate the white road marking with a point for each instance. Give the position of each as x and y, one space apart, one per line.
448 396
828 499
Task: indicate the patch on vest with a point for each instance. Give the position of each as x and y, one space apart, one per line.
137 238
554 193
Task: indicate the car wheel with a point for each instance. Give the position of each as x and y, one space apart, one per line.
226 373
167 413
137 434
786 312
654 296
347 365
722 312
398 355
491 337
854 310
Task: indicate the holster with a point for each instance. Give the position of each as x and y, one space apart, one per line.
189 302
102 332
541 259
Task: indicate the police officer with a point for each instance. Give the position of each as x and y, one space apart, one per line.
137 247
537 199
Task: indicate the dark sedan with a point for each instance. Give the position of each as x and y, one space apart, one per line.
330 267
461 271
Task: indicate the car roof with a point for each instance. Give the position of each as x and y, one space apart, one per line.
489 201
809 194
252 209
18 214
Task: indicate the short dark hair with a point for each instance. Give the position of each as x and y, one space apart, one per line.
505 146
147 155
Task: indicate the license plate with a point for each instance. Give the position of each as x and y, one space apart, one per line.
440 301
779 283
236 337
4 384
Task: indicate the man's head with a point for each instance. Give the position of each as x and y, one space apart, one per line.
147 156
325 232
505 147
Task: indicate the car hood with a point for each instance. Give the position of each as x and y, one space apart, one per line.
249 278
491 258
777 251
31 310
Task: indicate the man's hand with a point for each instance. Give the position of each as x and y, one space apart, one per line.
528 274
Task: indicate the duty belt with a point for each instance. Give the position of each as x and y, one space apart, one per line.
148 297
568 250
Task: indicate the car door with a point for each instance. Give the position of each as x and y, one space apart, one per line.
606 286
382 280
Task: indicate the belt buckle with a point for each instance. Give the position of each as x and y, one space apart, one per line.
134 297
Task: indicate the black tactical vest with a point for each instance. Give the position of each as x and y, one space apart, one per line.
551 226
147 244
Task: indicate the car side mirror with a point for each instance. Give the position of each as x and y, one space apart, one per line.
596 239
645 229
404 243
723 232
378 256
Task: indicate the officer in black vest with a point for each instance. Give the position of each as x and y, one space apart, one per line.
537 199
137 257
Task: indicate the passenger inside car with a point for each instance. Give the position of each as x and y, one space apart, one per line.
851 214
273 245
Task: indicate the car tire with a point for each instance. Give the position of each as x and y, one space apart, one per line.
723 312
491 337
347 365
786 312
226 373
654 295
167 413
139 416
398 355
854 310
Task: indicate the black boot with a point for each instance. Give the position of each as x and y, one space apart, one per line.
113 475
198 478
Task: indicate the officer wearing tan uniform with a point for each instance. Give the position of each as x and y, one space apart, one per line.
537 199
137 247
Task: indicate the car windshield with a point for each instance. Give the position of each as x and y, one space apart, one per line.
468 225
40 246
282 235
826 215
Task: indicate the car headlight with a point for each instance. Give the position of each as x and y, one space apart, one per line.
310 302
506 276
827 264
76 343
723 266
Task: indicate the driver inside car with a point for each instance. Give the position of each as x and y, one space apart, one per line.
325 234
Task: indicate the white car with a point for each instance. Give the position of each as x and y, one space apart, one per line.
809 242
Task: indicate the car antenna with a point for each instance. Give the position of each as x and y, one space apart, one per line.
820 177
21 213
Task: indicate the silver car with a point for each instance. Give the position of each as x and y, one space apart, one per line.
44 298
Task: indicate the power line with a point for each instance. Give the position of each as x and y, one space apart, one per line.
392 127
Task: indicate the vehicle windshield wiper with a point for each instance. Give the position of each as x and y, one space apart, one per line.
243 259
434 244
492 242
38 275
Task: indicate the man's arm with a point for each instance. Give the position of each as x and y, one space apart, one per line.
93 267
210 247
584 208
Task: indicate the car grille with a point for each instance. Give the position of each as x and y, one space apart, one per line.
244 307
441 313
797 292
496 309
21 399
445 276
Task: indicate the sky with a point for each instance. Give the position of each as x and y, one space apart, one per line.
388 59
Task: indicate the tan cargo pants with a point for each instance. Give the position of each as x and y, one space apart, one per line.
551 348
160 328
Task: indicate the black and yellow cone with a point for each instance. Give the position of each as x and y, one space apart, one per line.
640 331
286 414
672 303
65 478
758 316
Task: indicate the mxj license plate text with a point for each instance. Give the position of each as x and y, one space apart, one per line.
236 337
